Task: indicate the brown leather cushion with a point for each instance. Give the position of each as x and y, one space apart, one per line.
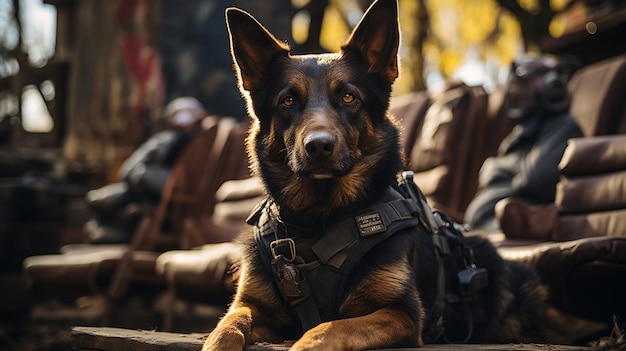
409 110
85 265
586 277
235 200
598 103
239 189
451 138
72 268
606 223
202 266
434 145
592 193
595 155
202 274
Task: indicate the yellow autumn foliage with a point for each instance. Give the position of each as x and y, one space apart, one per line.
334 29
456 28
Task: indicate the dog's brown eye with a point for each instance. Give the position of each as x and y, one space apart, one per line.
288 101
348 98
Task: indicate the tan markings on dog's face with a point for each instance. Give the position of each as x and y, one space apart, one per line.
354 184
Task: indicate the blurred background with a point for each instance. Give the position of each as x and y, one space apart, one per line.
83 83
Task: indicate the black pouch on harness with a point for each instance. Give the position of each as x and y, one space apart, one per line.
459 280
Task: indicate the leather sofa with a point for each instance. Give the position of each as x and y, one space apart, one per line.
578 243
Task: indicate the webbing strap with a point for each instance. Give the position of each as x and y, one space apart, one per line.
330 249
440 242
295 290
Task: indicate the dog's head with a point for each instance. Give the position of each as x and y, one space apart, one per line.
320 138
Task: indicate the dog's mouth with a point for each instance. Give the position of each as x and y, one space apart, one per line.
320 173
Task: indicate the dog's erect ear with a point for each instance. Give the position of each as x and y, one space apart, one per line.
377 38
253 48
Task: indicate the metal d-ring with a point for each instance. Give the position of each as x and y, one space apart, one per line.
292 248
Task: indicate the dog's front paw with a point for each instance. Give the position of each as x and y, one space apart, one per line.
320 338
224 340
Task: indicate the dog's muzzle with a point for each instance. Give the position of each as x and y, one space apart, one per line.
319 146
324 159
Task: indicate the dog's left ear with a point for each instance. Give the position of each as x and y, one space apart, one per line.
377 37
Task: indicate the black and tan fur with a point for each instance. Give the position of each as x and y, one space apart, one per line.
324 145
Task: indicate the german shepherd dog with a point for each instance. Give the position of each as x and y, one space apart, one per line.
324 145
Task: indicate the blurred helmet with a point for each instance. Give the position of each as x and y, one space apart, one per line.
183 112
536 83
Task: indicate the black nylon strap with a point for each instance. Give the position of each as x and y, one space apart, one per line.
407 183
330 249
300 299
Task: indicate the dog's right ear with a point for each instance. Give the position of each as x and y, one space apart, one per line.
253 48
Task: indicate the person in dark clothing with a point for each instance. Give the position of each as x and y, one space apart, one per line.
143 175
525 166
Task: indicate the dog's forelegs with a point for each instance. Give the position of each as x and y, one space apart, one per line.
386 327
231 332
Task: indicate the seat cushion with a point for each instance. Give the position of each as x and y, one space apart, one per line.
597 91
585 277
72 268
85 264
239 189
204 266
594 155
409 110
605 223
592 193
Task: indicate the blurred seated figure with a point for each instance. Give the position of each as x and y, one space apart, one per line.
525 167
143 175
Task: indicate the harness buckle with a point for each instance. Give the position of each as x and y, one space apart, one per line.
276 249
288 279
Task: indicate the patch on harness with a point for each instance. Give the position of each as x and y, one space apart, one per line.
370 224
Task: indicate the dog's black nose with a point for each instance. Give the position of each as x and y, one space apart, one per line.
319 145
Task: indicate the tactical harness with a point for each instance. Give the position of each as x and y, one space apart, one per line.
312 277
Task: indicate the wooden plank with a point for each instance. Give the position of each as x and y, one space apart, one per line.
117 339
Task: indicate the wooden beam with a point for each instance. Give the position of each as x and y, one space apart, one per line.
117 339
